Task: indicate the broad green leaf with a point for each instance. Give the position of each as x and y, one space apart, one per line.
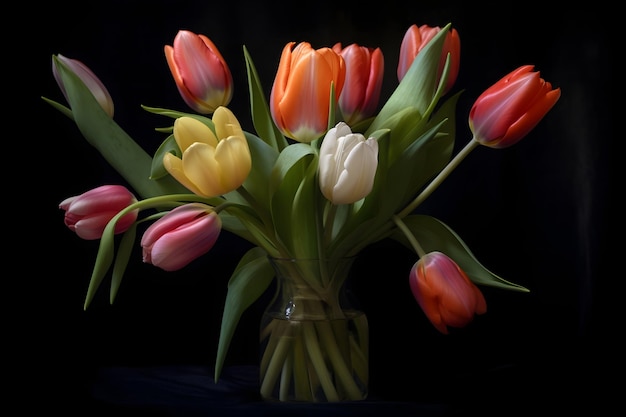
119 149
434 235
251 278
263 160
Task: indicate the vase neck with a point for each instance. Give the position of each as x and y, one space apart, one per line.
311 287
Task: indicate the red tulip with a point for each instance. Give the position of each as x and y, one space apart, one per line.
364 79
88 214
182 235
201 74
416 38
508 110
300 97
444 292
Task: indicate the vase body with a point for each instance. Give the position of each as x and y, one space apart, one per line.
314 341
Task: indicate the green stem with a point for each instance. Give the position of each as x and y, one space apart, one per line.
338 361
386 228
313 348
275 365
443 174
410 237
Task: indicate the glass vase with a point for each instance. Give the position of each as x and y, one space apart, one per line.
314 342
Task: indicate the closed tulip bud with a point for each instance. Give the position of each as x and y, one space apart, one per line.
347 165
364 79
181 236
88 214
444 292
508 110
201 74
212 164
91 81
300 96
416 38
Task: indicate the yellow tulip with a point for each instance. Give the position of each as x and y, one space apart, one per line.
212 164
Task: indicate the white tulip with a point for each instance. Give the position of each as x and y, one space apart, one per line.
347 165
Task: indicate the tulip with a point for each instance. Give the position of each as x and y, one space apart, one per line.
347 165
364 79
201 74
180 236
444 292
416 38
88 214
91 81
300 96
212 164
508 110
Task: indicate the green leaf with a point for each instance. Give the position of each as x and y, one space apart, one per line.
261 117
175 114
251 278
169 145
124 250
63 109
434 235
418 88
264 158
104 258
292 202
122 153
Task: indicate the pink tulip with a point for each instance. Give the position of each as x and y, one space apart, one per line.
508 110
181 236
444 292
88 214
416 38
91 81
364 79
200 72
300 97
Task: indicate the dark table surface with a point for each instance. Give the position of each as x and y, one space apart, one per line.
191 391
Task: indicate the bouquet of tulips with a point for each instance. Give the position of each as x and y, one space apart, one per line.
323 176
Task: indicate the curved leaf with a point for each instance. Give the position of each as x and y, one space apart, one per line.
434 235
124 250
248 282
261 118
169 145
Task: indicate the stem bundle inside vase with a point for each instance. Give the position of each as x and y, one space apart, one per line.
314 344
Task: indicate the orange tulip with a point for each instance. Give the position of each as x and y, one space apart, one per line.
300 97
444 292
200 72
416 38
508 110
364 79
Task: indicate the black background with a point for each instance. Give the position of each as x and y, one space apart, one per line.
539 214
